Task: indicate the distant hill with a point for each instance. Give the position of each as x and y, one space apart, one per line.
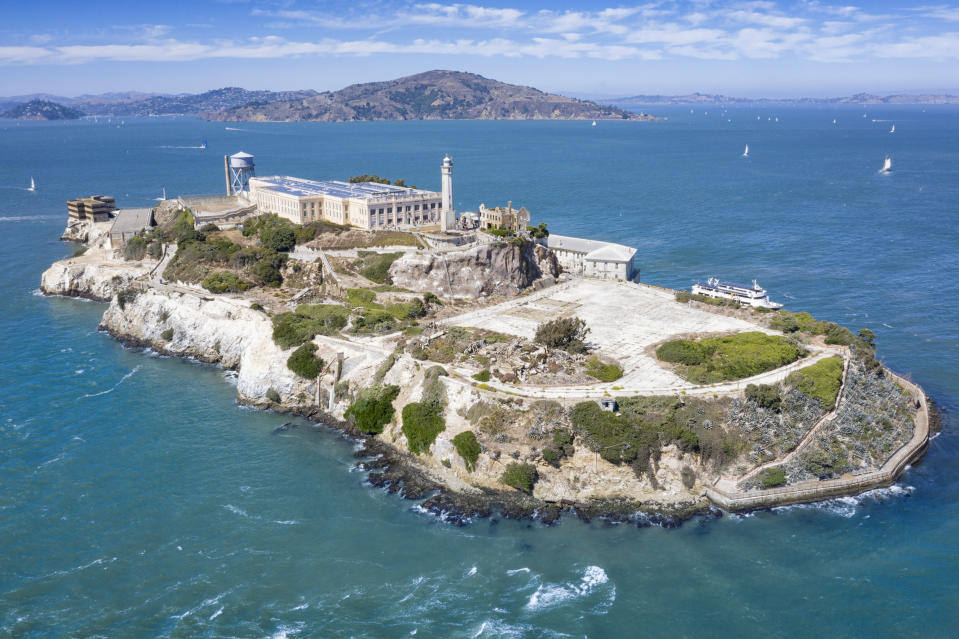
183 104
433 95
859 98
41 110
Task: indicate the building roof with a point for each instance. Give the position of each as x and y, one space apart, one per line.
132 220
591 249
311 188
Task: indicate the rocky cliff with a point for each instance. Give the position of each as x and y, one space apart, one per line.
481 271
90 277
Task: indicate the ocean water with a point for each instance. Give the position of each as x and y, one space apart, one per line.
137 499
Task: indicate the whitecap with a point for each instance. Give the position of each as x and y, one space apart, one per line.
287 522
300 607
471 572
517 570
549 595
216 614
237 511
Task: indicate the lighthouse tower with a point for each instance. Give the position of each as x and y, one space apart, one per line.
447 215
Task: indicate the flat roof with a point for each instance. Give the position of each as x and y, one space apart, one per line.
593 249
300 187
128 220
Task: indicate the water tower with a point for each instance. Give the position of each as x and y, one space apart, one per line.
239 170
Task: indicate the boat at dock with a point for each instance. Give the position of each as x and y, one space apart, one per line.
754 295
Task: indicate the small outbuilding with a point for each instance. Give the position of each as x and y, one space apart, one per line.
128 223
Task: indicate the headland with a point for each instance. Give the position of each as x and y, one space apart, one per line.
487 364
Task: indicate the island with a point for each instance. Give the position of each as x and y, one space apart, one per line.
489 365
41 110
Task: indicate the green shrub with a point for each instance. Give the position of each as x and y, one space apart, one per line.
821 380
731 357
135 248
267 269
688 477
772 477
373 408
272 395
305 362
482 376
376 266
126 296
565 333
256 306
468 448
836 334
765 395
422 422
540 231
562 447
520 476
80 251
601 371
308 321
224 282
431 298
551 456
167 334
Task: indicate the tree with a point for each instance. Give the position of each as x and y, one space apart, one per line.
565 333
280 237
305 362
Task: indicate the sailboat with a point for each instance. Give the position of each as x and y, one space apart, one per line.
886 165
893 129
834 120
33 185
203 146
161 199
594 122
746 152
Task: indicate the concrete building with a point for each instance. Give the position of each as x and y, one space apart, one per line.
503 217
592 258
367 205
95 207
128 223
226 211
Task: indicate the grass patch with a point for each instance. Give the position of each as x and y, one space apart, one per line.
803 322
376 266
821 381
482 376
468 448
224 282
772 477
520 476
373 408
686 296
719 359
80 251
308 321
602 371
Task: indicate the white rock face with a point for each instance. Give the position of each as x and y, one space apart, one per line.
90 278
220 330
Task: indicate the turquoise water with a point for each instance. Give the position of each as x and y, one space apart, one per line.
137 499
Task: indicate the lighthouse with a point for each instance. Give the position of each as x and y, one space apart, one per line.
447 216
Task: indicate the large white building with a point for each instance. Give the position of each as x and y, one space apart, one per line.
593 258
367 205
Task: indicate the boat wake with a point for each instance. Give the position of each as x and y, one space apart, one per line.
550 595
116 386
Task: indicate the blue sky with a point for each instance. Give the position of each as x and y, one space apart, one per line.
760 48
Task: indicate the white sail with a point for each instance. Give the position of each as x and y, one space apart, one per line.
886 165
893 129
834 120
746 152
594 122
33 184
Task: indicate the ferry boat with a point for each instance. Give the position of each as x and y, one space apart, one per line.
751 296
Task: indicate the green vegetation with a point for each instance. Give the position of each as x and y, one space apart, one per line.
378 180
499 232
272 395
602 371
256 306
803 322
468 448
686 296
821 380
381 318
423 421
520 476
126 296
719 359
373 408
224 282
539 231
491 418
167 334
80 251
772 477
376 266
305 362
565 333
482 376
308 321
135 248
645 424
199 255
279 237
765 395
562 447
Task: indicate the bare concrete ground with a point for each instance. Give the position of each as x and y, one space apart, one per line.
625 319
